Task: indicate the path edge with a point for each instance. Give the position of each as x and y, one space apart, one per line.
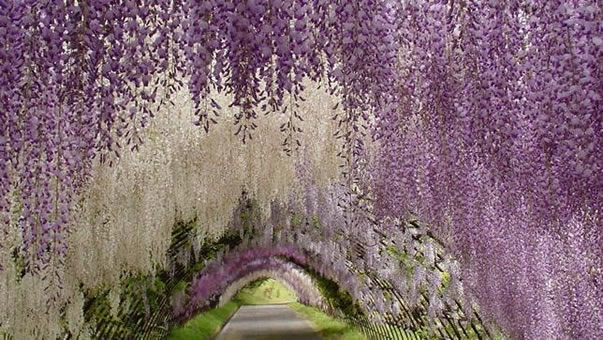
310 322
225 323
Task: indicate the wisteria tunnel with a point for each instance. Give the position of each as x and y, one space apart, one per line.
402 169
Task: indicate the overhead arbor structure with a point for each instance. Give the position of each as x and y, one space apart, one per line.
439 162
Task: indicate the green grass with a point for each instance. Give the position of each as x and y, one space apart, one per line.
328 327
207 324
266 292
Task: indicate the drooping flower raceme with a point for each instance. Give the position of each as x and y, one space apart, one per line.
496 147
486 117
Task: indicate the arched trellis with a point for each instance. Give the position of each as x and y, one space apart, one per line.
293 278
452 323
50 36
409 322
212 281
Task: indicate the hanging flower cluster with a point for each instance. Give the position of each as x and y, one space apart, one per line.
496 146
121 223
485 117
90 74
